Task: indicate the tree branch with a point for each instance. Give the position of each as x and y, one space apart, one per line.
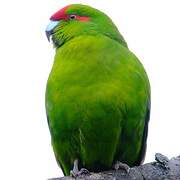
162 168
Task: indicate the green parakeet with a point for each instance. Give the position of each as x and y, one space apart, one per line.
97 95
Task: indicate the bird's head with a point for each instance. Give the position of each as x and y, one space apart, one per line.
77 19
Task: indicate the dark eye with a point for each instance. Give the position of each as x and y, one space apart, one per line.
72 16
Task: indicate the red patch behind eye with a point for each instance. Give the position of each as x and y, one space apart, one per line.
82 18
60 14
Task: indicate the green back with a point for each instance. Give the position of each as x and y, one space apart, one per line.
92 84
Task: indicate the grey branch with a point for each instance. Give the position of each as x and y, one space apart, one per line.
161 169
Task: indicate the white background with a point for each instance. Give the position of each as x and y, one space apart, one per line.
152 31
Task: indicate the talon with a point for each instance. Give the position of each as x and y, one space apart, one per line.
120 165
72 174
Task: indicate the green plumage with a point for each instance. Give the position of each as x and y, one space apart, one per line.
97 97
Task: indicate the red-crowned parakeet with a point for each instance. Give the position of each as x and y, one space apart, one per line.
97 95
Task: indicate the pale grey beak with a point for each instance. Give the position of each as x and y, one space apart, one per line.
50 28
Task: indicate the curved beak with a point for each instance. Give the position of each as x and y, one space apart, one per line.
50 28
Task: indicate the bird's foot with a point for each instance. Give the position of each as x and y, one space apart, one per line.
82 171
120 165
76 172
162 160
